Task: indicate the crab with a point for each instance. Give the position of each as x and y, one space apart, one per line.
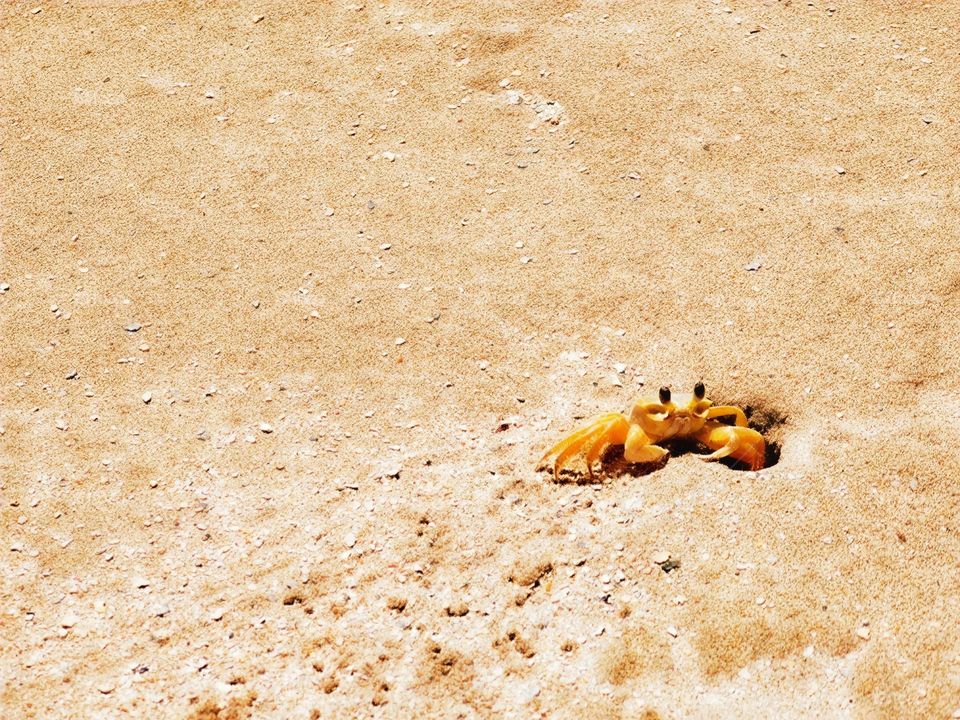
651 422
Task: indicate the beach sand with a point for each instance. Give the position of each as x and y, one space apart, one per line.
294 297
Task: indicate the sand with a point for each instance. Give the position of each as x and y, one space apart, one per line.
294 296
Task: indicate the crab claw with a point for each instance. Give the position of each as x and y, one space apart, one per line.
741 443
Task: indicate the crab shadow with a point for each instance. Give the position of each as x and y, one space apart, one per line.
612 465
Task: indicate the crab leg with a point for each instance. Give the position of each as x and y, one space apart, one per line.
604 430
574 449
639 449
740 443
579 435
727 410
615 433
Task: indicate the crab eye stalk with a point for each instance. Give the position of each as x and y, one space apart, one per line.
699 391
664 395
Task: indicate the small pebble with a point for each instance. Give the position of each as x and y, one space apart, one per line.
388 469
350 540
147 397
458 609
61 424
672 631
133 327
840 169
105 688
863 632
72 375
660 557
4 287
396 603
266 427
68 620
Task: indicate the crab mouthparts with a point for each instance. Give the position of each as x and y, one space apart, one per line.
679 424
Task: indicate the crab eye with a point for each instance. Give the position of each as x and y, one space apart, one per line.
664 394
699 391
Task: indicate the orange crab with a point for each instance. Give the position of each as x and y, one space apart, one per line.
692 417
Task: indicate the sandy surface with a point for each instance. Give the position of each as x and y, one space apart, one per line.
293 299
